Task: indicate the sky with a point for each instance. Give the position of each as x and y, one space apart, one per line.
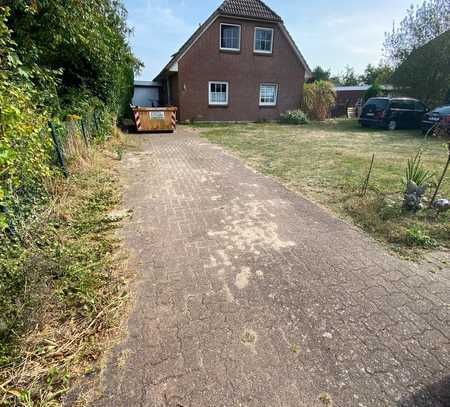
329 33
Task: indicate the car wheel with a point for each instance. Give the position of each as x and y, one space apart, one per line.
392 125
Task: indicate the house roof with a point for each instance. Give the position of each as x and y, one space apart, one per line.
249 9
146 83
360 88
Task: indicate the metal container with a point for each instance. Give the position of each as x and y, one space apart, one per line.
155 119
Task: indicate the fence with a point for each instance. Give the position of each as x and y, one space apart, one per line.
74 137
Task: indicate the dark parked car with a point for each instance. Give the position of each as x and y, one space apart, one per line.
439 115
393 113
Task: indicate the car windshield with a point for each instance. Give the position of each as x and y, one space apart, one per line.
442 110
376 104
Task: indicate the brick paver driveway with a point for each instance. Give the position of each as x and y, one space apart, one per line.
250 295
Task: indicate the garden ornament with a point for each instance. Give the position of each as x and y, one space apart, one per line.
413 196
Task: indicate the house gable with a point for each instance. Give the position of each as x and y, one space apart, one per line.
244 72
254 10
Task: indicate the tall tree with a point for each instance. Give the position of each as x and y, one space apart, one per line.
421 25
349 78
380 74
321 74
426 72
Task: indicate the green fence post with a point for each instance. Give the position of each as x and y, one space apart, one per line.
83 132
96 122
59 153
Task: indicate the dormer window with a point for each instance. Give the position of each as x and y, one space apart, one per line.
230 37
263 40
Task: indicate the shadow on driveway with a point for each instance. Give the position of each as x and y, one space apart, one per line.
436 395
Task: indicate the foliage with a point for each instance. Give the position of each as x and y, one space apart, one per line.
294 117
349 77
318 99
425 74
421 25
82 46
415 236
24 141
374 91
416 172
380 74
321 74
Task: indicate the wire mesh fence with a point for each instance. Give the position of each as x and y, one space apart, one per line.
73 138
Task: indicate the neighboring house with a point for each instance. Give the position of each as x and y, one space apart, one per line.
146 94
352 96
240 65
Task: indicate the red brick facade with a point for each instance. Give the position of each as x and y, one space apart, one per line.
245 71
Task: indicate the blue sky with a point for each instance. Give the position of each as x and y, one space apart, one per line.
329 33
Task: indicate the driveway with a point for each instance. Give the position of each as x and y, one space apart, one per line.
250 295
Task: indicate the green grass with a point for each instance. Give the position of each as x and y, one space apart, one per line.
328 163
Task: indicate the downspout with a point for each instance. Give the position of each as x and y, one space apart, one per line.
169 102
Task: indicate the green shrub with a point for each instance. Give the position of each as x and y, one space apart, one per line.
294 117
416 172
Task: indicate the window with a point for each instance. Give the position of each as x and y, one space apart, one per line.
403 104
218 93
268 95
263 40
230 37
420 107
376 105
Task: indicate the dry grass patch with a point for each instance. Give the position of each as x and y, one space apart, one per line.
71 283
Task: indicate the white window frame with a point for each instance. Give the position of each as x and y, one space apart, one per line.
220 37
271 44
276 94
210 102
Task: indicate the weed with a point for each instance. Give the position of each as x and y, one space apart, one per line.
326 400
417 237
120 153
295 348
248 337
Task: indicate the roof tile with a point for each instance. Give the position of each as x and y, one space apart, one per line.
248 8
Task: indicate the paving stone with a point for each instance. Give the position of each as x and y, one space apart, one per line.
250 295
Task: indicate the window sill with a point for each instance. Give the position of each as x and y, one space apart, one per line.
263 53
217 105
230 51
266 106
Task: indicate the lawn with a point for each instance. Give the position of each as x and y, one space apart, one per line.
328 163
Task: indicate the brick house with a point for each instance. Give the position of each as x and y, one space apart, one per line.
240 65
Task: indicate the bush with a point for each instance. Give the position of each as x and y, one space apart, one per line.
294 117
25 145
319 97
